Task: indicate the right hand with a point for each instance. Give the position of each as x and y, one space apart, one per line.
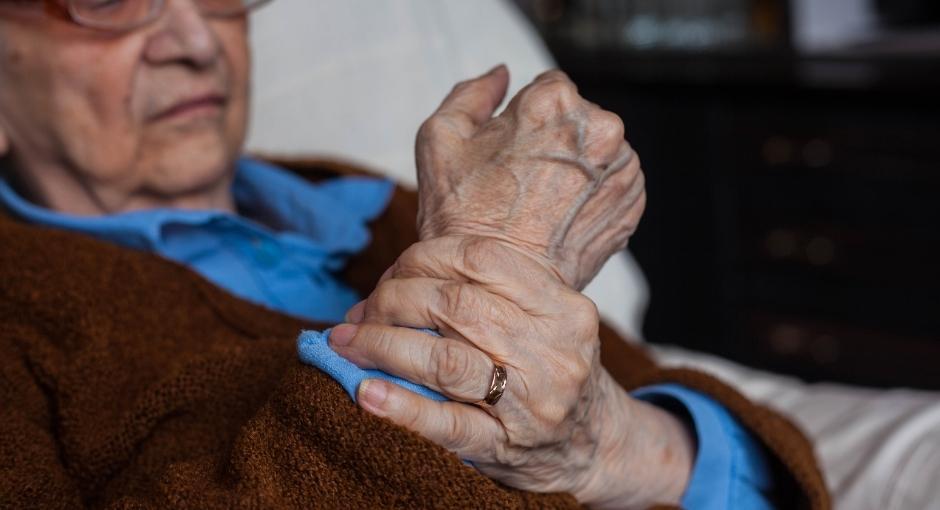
563 424
552 175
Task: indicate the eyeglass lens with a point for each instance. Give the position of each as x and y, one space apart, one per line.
127 14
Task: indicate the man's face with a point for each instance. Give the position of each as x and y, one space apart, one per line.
158 111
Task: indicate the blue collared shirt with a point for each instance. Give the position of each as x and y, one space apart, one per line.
285 253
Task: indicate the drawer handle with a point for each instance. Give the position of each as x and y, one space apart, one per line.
781 243
789 340
817 153
777 150
820 251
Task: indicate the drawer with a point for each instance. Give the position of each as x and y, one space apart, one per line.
853 202
889 258
910 312
855 141
821 349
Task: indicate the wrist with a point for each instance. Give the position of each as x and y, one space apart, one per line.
518 245
645 455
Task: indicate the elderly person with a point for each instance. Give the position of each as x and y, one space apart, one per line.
148 353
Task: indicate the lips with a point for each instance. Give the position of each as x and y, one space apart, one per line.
202 103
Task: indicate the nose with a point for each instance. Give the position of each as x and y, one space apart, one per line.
182 34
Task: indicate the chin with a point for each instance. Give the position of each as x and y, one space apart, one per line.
193 167
180 173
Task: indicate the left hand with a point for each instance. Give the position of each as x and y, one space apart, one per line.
562 424
552 174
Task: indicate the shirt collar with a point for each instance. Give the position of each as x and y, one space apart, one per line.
333 214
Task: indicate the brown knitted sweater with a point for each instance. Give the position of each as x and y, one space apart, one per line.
129 381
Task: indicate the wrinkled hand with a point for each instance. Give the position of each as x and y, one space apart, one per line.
562 424
552 174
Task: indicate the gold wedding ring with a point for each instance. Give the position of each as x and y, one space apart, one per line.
497 386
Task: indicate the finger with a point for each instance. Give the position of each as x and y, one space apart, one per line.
551 74
461 311
447 366
548 88
475 100
603 137
468 431
615 210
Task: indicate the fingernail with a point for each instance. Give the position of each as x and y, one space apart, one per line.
372 394
356 313
343 334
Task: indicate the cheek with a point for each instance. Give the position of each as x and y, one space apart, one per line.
25 88
59 94
92 101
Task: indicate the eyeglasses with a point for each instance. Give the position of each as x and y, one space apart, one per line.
126 15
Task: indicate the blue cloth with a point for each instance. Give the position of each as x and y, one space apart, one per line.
731 469
285 257
314 349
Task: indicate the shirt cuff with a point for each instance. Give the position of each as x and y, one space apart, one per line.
731 469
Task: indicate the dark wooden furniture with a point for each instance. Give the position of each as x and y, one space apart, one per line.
794 206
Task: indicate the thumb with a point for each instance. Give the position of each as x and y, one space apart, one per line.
475 100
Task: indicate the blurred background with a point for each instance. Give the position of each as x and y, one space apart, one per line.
791 150
790 146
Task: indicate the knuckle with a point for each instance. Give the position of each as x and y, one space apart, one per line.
409 260
640 182
478 254
454 366
610 125
419 259
557 90
584 324
582 367
454 297
553 415
458 434
637 190
572 374
432 128
383 300
549 95
584 314
628 182
621 185
552 74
